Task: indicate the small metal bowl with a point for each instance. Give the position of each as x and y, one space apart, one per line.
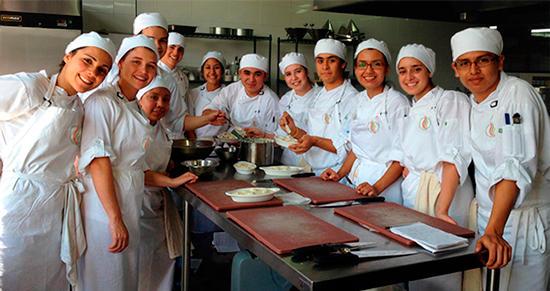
201 167
228 155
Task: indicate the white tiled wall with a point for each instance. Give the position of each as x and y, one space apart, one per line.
270 17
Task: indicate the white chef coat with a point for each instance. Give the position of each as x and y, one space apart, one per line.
181 79
260 111
156 269
329 116
518 152
372 135
197 99
435 132
297 107
40 128
174 120
116 128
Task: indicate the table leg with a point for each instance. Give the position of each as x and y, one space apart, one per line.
493 279
186 260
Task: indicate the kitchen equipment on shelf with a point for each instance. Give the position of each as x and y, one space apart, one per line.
258 150
242 31
201 167
328 25
296 33
317 34
183 29
228 155
184 149
220 30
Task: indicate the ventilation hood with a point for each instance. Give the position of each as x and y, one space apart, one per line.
531 13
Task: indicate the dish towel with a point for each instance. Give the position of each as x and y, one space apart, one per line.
173 226
428 192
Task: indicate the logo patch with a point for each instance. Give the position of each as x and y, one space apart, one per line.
490 130
374 127
145 142
425 123
76 133
327 118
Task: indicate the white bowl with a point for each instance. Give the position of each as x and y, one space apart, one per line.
285 141
264 194
281 170
242 170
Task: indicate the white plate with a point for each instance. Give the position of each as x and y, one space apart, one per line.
244 171
267 194
280 141
278 171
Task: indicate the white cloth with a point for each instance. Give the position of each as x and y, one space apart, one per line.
516 152
434 132
260 111
39 140
329 116
255 61
427 195
175 38
372 137
372 43
331 46
118 129
476 39
297 107
174 120
148 19
92 39
292 58
156 268
197 99
423 54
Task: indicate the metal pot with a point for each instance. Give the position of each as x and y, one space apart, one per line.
242 32
184 149
220 30
258 151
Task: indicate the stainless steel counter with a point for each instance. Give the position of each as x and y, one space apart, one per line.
307 275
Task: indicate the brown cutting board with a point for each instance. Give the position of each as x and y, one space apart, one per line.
319 190
381 215
213 193
283 229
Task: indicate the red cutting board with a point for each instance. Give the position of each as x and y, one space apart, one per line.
213 193
319 190
381 215
283 229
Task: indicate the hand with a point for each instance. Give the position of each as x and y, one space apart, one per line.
305 143
445 217
405 172
187 178
286 119
254 132
121 237
500 252
216 118
330 175
367 190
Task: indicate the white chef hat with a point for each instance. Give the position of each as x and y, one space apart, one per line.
213 55
476 39
149 19
292 59
331 46
133 42
155 83
374 44
176 38
254 61
92 39
419 52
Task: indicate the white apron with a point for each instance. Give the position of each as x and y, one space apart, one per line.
37 181
156 269
98 269
202 99
371 141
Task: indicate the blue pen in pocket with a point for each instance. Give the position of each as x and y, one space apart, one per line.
507 118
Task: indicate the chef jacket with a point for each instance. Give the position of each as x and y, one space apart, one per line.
174 121
197 99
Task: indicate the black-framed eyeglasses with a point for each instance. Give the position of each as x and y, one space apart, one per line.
480 62
376 65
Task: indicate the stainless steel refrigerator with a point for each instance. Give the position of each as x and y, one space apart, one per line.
34 33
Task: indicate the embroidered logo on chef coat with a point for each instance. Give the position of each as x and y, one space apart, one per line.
425 123
145 142
374 126
490 130
76 132
327 118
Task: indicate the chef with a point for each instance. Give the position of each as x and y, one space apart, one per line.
329 115
510 140
40 124
211 69
374 127
249 103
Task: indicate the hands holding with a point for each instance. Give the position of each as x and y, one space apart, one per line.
287 121
254 132
216 118
305 143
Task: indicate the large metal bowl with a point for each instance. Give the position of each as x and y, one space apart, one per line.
228 155
184 149
296 33
201 167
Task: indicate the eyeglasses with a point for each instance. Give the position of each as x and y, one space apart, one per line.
376 65
480 62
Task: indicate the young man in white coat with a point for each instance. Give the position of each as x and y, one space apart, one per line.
510 140
329 115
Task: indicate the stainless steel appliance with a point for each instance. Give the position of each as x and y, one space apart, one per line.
34 34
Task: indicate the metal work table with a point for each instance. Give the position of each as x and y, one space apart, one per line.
307 275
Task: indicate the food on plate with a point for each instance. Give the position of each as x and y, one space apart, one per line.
253 191
287 139
284 168
227 135
245 166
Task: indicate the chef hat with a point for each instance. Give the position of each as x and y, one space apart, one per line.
292 59
254 61
92 39
374 44
476 39
213 55
176 38
133 42
419 52
155 83
145 20
331 46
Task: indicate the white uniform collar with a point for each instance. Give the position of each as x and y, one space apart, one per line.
165 67
430 96
494 95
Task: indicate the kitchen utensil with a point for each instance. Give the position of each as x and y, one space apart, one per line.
281 170
183 29
317 34
184 149
328 25
242 31
296 33
303 175
201 167
227 155
360 201
244 168
265 195
220 30
258 151
352 28
285 141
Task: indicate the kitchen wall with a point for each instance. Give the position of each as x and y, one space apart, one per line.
270 17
